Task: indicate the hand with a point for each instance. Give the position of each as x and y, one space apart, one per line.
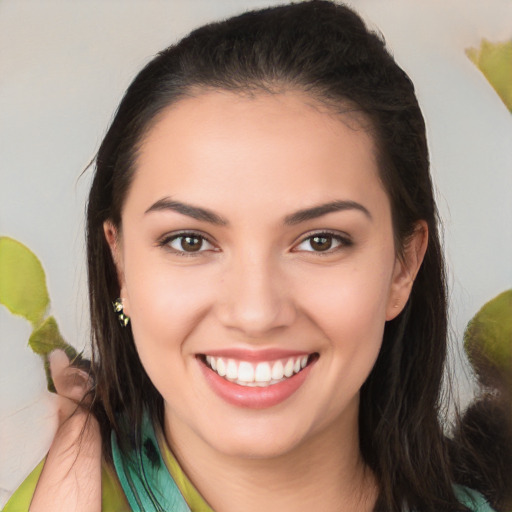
71 477
71 383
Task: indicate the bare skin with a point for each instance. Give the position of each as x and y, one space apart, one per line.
71 477
293 481
255 282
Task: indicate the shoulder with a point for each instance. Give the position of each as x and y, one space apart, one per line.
112 495
472 499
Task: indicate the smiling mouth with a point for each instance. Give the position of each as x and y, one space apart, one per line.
261 374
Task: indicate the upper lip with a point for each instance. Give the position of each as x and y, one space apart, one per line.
268 354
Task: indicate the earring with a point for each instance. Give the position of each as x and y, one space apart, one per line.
118 308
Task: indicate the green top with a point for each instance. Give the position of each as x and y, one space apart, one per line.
112 496
113 486
150 479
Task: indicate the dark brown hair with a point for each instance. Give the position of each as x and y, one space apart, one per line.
325 50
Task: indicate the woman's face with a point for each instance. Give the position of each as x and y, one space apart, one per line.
258 267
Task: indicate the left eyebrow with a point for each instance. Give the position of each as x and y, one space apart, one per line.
201 214
324 209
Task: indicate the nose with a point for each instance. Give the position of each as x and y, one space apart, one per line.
255 297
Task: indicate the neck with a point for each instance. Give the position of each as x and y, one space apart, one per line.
325 473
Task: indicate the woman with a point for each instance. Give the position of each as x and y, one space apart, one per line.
262 217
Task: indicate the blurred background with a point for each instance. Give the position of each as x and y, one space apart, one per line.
63 68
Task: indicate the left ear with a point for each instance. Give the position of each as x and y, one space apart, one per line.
407 265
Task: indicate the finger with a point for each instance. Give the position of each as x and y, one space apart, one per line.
70 382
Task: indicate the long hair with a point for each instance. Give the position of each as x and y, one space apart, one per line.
325 50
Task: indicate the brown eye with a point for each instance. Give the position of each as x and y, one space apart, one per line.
189 243
321 242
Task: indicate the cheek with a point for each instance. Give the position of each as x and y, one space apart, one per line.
356 294
165 302
350 307
166 306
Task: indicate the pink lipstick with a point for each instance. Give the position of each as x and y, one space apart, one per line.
256 379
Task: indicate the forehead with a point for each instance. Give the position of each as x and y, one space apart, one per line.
286 145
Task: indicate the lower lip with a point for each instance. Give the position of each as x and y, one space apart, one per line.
254 397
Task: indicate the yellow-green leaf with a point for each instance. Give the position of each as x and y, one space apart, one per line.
46 338
495 61
488 341
22 281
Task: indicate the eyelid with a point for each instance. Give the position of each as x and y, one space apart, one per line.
344 239
166 239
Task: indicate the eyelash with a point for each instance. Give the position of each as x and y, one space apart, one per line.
168 239
343 241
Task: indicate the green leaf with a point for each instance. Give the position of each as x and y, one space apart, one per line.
488 342
47 338
495 61
22 281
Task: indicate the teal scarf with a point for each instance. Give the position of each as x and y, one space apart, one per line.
144 476
149 487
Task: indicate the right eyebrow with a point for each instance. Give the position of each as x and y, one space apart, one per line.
324 209
196 212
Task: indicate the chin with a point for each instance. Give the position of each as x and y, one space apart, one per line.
259 439
257 449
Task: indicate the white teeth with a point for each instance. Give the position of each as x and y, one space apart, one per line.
288 368
231 370
262 374
221 367
277 371
246 372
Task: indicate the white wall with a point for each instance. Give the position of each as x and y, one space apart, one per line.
63 68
